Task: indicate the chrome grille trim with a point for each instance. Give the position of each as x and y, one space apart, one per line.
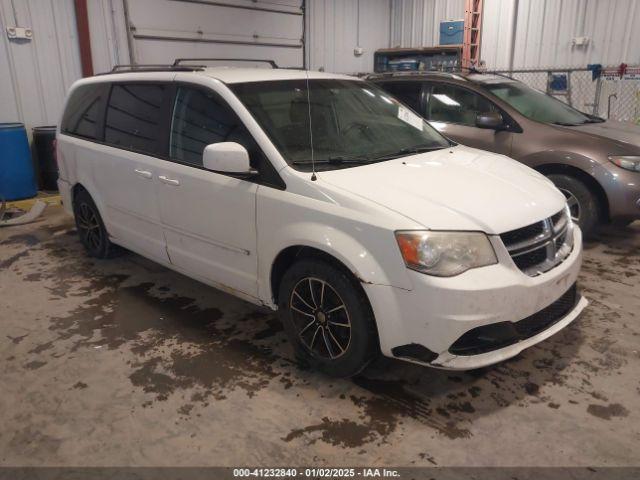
553 245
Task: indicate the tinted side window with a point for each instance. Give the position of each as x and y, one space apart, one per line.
199 119
452 104
81 116
407 92
134 116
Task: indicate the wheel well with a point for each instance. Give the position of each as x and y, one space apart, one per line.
585 178
290 255
77 188
287 257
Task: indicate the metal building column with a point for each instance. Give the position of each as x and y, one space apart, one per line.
472 33
84 39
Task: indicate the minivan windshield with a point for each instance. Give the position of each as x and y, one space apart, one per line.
537 105
350 122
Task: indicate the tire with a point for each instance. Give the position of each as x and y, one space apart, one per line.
316 323
91 229
584 205
622 222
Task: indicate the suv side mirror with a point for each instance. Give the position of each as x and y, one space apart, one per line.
490 120
227 157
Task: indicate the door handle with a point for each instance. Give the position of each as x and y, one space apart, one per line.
169 181
143 173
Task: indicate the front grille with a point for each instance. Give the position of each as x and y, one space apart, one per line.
558 216
492 337
521 234
546 317
530 259
541 246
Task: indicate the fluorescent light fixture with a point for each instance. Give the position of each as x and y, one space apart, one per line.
446 99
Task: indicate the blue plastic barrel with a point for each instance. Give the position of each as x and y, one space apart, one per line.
17 180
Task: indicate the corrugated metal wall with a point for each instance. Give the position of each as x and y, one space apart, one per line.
531 33
108 32
35 74
544 30
336 27
333 29
417 22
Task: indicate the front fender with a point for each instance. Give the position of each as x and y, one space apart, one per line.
377 263
608 183
539 160
344 247
360 237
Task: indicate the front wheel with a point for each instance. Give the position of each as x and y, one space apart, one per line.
583 203
327 318
623 222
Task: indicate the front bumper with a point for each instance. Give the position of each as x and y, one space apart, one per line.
623 192
438 311
459 362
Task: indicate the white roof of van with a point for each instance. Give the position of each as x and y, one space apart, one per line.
224 74
239 75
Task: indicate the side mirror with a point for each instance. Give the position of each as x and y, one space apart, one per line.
227 157
490 120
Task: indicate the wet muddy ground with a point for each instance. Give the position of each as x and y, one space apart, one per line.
123 362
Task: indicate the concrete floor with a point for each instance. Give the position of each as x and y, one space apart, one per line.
122 362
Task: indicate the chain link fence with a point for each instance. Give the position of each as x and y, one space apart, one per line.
608 96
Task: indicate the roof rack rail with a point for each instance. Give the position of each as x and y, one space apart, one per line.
153 68
179 61
410 73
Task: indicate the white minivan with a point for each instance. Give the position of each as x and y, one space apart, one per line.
321 196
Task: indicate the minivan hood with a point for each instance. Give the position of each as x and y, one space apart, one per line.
458 188
618 131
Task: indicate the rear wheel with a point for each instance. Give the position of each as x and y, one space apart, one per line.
91 229
582 202
327 318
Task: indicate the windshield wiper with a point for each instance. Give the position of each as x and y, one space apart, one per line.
590 119
409 151
337 160
363 159
567 124
422 149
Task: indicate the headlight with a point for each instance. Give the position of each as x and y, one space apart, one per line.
568 238
445 254
627 162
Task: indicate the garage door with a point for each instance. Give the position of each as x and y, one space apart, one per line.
269 29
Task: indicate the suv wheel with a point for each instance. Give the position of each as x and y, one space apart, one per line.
583 204
91 229
327 318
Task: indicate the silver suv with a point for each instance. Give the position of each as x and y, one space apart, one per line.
595 163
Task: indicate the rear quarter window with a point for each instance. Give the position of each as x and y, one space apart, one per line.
82 113
134 116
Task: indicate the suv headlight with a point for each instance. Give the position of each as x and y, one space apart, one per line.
628 162
445 254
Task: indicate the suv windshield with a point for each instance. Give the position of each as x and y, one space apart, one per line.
536 105
352 122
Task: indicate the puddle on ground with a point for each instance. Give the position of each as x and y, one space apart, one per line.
204 353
